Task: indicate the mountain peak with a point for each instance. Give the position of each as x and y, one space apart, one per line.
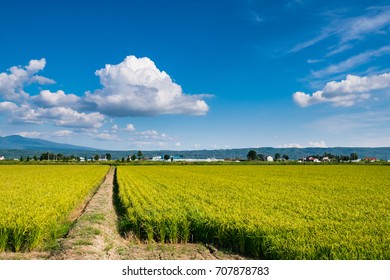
18 142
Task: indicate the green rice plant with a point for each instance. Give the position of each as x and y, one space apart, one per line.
3 238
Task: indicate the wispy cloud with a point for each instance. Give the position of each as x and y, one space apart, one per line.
339 49
311 42
153 138
290 145
318 144
360 122
256 18
313 61
352 62
62 133
31 134
374 21
357 28
105 136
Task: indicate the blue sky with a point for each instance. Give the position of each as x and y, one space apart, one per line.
196 74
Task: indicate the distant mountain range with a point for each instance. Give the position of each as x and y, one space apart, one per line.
15 146
16 142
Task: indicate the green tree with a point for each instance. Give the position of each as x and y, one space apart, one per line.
60 157
140 155
108 156
167 157
133 157
354 156
277 156
261 157
285 157
96 157
252 155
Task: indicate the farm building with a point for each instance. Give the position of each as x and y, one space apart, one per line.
269 158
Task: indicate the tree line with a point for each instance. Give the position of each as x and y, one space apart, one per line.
253 155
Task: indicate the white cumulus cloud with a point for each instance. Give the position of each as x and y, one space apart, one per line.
346 92
12 84
68 117
56 99
136 87
19 114
7 106
129 128
61 116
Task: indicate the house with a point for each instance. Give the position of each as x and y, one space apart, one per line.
325 159
82 159
2 158
269 158
103 158
157 158
313 159
372 159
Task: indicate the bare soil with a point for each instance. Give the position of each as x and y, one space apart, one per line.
95 236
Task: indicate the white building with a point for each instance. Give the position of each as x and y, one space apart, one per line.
199 159
2 158
103 158
269 158
157 158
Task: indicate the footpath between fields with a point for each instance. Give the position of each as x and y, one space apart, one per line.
95 236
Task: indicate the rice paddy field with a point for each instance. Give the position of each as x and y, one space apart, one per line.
267 212
37 202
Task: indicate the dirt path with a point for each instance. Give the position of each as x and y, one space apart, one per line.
94 236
